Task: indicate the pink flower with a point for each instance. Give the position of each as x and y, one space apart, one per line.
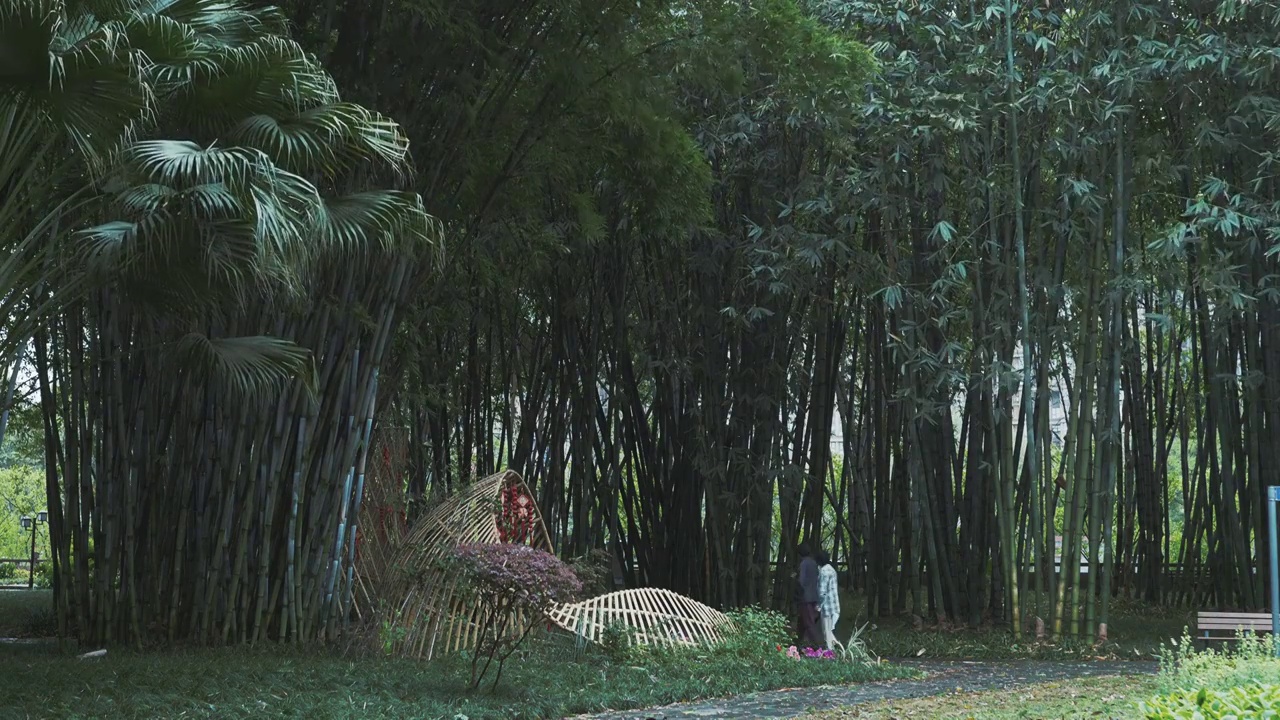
793 653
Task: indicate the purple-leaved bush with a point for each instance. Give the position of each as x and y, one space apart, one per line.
512 586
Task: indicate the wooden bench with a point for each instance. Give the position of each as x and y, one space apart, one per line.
1219 626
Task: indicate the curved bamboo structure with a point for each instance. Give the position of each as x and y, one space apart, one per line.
430 618
383 520
650 616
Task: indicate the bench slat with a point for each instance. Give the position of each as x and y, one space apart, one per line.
1225 625
1232 615
1215 615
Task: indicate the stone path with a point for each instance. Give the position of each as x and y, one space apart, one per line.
940 677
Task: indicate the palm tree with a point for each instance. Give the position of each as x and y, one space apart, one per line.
204 234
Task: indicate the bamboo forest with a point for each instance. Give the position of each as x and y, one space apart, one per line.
981 298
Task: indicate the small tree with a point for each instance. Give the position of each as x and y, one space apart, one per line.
512 587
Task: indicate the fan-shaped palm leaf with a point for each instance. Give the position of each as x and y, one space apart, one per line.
245 364
221 22
388 218
173 52
89 84
326 140
272 76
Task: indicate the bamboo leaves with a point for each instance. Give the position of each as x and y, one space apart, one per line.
209 398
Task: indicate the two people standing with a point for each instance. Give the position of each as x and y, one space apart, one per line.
817 598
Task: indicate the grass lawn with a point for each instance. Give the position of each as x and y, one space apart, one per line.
1136 632
26 614
552 679
1103 698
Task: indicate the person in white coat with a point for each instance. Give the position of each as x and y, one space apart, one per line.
828 597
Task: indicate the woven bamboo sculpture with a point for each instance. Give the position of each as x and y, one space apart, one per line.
383 527
650 616
432 619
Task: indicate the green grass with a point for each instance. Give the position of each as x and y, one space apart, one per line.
1104 698
550 680
1247 663
1135 632
27 614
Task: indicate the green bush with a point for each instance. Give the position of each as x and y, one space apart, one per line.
44 574
17 577
8 570
1250 702
1249 660
756 631
1240 680
616 641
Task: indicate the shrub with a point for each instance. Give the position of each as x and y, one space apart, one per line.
768 633
757 631
44 574
512 586
1247 661
1239 703
8 570
616 640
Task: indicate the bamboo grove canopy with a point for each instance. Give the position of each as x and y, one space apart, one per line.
979 296
1012 261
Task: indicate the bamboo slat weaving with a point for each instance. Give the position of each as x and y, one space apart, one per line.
382 528
431 618
650 616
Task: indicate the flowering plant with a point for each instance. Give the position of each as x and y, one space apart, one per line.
819 653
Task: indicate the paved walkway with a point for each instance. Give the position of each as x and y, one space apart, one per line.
940 677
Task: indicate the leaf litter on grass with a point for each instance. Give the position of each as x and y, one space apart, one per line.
1102 698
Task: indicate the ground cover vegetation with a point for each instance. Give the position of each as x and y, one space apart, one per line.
27 614
1015 263
1239 680
550 676
1138 631
1106 698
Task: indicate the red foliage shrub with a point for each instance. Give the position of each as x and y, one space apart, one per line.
512 586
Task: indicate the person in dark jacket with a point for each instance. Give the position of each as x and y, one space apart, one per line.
807 599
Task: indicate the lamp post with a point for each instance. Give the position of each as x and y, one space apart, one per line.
33 524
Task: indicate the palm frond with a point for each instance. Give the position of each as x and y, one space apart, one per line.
173 52
222 22
28 29
272 76
180 163
104 248
247 365
87 82
387 219
327 139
